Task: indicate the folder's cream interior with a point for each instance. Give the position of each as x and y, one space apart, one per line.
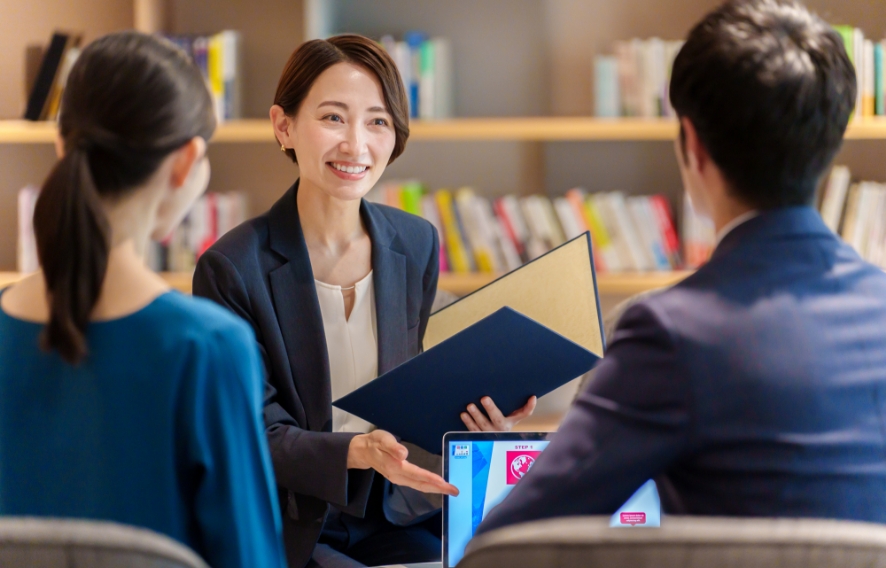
556 290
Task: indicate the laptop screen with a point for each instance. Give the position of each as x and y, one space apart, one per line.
486 466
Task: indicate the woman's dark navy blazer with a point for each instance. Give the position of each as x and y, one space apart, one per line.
261 271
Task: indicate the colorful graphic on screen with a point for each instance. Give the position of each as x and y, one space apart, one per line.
519 463
485 472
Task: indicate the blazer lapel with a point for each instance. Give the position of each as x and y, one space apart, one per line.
389 281
298 313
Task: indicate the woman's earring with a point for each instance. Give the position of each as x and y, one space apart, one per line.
282 148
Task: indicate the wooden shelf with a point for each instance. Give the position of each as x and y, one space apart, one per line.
507 129
626 283
461 284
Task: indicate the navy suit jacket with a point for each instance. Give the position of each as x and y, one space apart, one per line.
756 387
262 272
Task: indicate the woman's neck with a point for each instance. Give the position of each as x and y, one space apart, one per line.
128 286
327 222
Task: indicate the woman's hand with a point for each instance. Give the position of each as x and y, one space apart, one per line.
494 420
380 451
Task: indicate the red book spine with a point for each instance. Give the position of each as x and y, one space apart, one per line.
666 226
502 214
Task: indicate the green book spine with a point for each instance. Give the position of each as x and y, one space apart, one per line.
847 33
411 194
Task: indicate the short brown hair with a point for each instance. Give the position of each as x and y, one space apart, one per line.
316 56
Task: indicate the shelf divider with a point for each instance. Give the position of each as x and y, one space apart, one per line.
526 129
626 283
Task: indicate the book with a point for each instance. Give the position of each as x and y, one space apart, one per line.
506 356
498 235
429 211
26 251
524 334
414 40
512 226
478 235
879 100
444 90
48 77
638 75
219 57
868 101
606 93
213 215
426 69
647 229
834 197
58 87
849 218
459 261
665 223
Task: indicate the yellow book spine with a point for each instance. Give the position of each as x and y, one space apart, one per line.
869 106
215 68
484 261
458 258
596 226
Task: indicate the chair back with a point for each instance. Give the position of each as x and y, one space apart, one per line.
682 542
27 542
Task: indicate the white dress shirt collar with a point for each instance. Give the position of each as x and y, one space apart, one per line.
728 227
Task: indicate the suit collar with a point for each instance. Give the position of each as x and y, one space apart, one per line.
298 309
389 280
774 223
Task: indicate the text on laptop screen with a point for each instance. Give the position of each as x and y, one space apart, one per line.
486 471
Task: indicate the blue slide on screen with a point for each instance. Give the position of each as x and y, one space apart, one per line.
485 472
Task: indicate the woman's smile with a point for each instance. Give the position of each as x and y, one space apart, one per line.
348 170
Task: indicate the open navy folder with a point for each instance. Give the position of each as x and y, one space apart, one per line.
505 355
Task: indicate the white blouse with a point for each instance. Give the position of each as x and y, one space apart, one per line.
352 344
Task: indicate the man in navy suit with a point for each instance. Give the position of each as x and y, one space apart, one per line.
757 386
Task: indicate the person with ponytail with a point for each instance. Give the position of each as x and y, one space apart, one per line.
121 400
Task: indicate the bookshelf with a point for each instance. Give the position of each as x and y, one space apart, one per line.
523 92
519 129
616 284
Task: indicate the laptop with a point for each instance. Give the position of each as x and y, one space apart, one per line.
485 466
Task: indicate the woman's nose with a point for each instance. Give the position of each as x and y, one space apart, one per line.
354 143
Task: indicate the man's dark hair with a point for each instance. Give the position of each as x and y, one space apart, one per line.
769 88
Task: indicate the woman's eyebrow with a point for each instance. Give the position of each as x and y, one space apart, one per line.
342 105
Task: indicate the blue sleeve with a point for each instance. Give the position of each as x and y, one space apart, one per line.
237 513
630 424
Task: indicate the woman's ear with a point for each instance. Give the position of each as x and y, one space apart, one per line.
184 160
283 126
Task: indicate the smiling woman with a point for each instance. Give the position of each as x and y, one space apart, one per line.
339 291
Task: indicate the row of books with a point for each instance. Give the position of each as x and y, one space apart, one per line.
634 80
425 65
857 212
870 66
213 215
628 233
48 83
219 58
